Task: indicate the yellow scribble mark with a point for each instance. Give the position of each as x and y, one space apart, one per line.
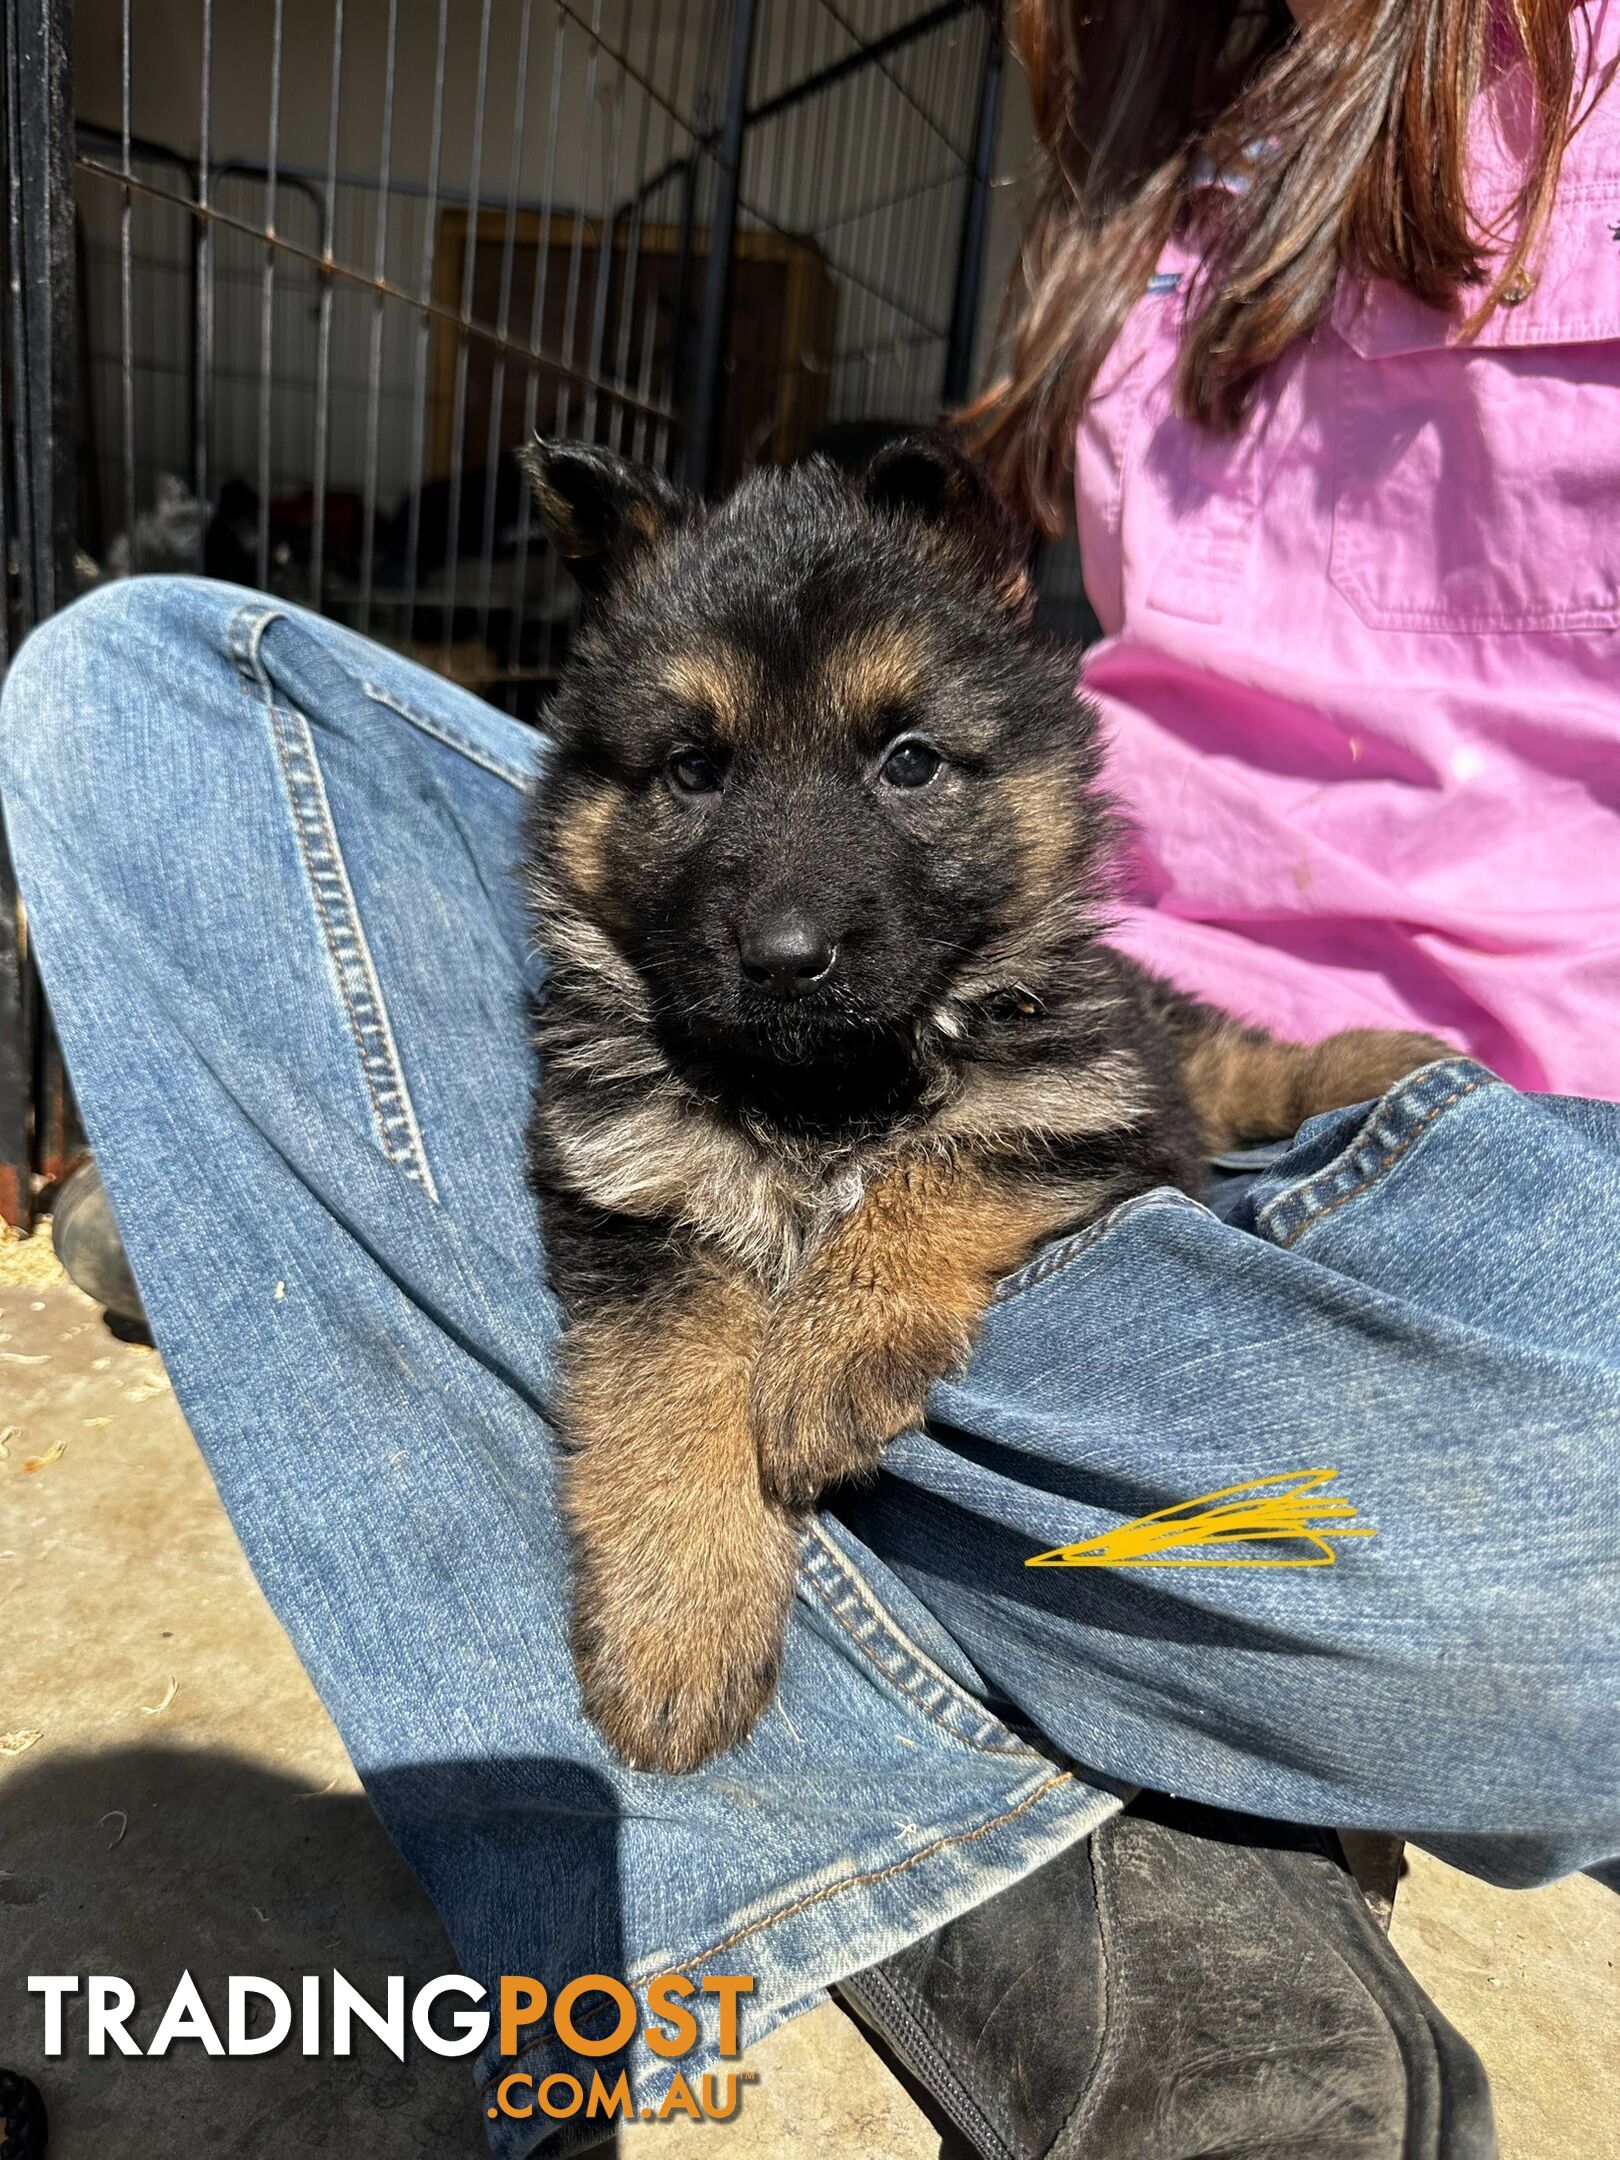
1264 1511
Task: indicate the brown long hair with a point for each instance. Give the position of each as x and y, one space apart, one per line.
1363 123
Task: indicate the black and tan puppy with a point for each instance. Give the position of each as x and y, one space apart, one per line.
830 1043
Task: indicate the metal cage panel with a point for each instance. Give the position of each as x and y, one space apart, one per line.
290 283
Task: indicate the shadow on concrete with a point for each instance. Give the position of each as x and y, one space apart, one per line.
147 1862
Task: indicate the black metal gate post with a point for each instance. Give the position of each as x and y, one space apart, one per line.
975 225
39 113
708 382
16 1059
39 405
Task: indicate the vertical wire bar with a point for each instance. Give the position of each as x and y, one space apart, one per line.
916 272
16 995
323 360
869 303
537 311
824 123
975 230
916 74
38 45
925 244
847 105
789 378
17 1090
6 598
649 339
682 354
607 228
267 298
768 196
913 279
886 179
948 207
704 434
469 260
497 394
430 235
202 268
27 541
765 148
970 43
632 240
576 256
126 311
657 446
379 266
850 300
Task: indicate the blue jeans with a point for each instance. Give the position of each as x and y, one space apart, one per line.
268 868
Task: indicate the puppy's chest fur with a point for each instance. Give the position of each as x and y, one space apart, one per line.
672 1159
649 1149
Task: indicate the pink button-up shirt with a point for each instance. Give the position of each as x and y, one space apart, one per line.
1362 673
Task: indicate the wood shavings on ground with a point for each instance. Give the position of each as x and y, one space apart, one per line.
28 1263
93 1423
18 1743
157 1709
119 1816
54 1453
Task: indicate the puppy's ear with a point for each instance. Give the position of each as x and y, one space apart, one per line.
600 510
927 477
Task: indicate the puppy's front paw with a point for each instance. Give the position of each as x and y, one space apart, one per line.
812 1438
669 1693
824 1410
681 1597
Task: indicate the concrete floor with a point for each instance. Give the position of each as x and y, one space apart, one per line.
172 1795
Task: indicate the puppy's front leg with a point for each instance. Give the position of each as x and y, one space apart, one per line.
683 1569
887 1305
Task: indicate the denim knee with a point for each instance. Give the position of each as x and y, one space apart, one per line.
59 714
89 739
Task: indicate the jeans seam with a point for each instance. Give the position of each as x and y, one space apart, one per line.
451 738
1069 1249
859 1881
865 1877
383 1075
917 1677
1330 1181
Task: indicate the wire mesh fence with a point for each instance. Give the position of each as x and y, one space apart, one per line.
291 280
316 328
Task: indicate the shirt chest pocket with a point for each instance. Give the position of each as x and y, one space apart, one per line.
1475 484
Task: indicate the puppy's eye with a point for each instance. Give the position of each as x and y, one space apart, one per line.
910 764
692 773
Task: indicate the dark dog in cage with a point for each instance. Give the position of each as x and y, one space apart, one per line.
831 1043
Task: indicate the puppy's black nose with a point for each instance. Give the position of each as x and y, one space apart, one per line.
788 954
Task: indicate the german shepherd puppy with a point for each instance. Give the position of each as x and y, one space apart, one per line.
819 865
